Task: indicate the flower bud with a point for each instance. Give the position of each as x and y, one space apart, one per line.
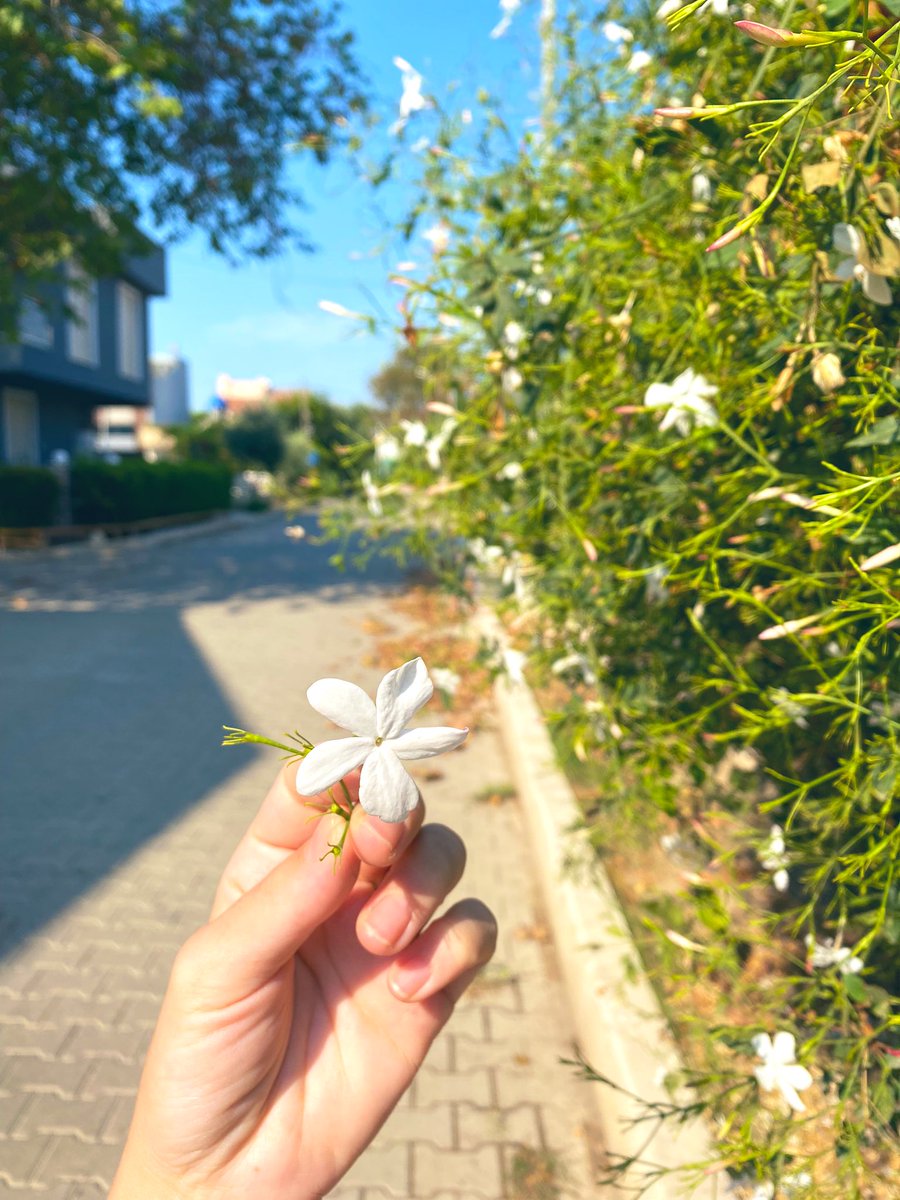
827 374
766 35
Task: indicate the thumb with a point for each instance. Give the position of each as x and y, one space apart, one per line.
245 946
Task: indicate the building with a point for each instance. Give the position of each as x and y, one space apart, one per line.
234 396
67 363
169 389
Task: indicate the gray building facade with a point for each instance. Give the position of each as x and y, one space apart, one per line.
66 363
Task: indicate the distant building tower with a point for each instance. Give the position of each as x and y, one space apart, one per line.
169 389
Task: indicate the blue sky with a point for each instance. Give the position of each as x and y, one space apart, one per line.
263 318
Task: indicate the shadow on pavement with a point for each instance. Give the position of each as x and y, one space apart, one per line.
106 707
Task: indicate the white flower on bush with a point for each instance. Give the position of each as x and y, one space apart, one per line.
893 227
615 33
373 499
780 1070
687 399
848 241
435 445
827 374
639 61
414 433
509 9
511 379
411 99
511 471
484 554
387 448
701 188
575 662
543 296
382 740
827 954
445 680
513 336
775 859
438 237
881 559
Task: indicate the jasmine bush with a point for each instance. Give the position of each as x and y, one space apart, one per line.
682 464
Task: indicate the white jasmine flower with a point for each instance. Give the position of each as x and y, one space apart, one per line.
575 662
484 554
656 591
701 188
615 33
774 858
893 226
438 236
511 471
296 532
847 240
826 954
513 335
881 559
436 443
338 310
373 500
414 433
445 680
783 700
827 374
543 296
780 1070
382 740
687 399
387 448
508 8
638 61
411 99
511 380
514 662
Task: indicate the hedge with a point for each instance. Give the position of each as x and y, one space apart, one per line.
136 491
28 496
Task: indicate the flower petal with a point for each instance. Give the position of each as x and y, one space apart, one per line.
876 288
784 1047
345 704
385 789
426 741
658 394
400 695
330 761
846 240
762 1045
845 270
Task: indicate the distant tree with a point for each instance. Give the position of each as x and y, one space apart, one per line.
399 387
255 439
202 439
184 109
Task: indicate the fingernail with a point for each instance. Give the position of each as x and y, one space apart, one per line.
388 920
407 980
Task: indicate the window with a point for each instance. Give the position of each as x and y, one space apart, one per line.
82 326
130 325
35 328
20 428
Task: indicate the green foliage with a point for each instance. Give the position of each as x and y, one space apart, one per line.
28 496
188 110
255 438
137 491
680 465
202 439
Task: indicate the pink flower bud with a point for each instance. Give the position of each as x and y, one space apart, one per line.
765 34
726 239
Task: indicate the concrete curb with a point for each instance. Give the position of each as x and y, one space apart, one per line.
619 1024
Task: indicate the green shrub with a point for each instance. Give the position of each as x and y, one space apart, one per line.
137 491
28 496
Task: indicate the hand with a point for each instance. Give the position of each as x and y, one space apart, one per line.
294 1020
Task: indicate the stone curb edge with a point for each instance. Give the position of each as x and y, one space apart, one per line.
619 1024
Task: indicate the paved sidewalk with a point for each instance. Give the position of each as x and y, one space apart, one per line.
121 866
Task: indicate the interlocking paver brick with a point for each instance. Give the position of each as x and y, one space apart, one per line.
48 1114
436 1124
25 1073
70 1158
109 1077
477 1126
21 1161
435 1087
477 1172
386 1165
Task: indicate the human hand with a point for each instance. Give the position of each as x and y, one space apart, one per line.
296 1018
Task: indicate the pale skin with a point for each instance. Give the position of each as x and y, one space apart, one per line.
296 1018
